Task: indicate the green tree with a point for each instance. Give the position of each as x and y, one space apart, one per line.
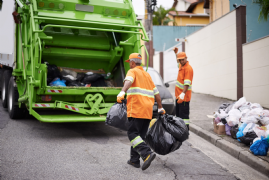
264 9
160 16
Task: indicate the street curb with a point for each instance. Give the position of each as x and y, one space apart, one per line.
235 151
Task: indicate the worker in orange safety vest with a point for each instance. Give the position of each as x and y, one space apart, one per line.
183 87
140 100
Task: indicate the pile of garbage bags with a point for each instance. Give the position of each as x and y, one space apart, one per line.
247 122
58 76
166 134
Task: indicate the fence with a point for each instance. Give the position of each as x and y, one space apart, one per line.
211 52
256 71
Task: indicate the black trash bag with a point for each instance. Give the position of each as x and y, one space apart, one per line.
160 140
53 72
176 127
99 83
89 79
73 83
117 116
67 80
233 131
227 110
248 138
223 120
223 106
80 76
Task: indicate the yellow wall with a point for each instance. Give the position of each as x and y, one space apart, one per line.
218 8
199 8
184 20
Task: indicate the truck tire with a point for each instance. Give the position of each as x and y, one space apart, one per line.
1 75
13 95
5 80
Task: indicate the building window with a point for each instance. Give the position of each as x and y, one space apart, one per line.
1 3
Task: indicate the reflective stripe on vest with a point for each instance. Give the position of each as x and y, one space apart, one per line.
129 78
155 91
181 86
136 141
140 91
187 121
187 82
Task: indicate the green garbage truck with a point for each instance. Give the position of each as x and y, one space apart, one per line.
81 36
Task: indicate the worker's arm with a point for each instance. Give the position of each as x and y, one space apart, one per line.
127 85
159 101
186 87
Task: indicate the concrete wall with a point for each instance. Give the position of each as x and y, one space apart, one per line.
211 52
166 35
255 29
156 62
256 71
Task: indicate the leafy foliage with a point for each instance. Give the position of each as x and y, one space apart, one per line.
160 16
264 9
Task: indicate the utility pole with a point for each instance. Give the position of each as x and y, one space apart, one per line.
149 9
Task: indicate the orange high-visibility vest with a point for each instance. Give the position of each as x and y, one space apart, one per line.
140 96
185 76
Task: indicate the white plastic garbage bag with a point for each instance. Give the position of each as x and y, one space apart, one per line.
234 117
248 128
264 120
259 131
245 112
239 103
249 119
256 105
220 115
267 133
257 112
245 106
265 113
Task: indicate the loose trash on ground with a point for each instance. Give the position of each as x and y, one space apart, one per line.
245 121
117 116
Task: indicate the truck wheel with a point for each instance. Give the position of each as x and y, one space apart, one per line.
5 80
1 75
13 95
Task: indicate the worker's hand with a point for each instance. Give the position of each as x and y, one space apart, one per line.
175 50
120 97
180 98
161 111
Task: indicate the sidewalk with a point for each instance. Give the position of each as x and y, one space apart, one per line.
202 105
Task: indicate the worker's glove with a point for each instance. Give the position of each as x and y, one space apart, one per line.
120 97
161 111
180 98
175 50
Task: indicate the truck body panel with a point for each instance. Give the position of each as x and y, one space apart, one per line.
79 35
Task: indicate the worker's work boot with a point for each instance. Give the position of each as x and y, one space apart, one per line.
148 160
136 165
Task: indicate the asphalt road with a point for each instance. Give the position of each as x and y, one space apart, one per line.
31 150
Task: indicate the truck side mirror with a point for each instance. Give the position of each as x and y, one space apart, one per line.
166 85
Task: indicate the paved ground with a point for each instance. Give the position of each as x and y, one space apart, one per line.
34 150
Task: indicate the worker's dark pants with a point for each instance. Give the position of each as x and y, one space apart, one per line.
138 128
183 111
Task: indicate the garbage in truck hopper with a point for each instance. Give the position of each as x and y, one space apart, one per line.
245 121
60 76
